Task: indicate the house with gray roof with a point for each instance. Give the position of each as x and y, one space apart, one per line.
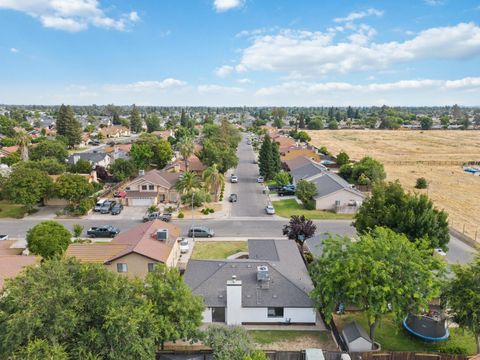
96 158
271 286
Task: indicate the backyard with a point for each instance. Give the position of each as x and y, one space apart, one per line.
393 337
287 208
292 340
436 155
217 249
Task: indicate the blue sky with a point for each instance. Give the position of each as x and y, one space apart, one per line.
240 52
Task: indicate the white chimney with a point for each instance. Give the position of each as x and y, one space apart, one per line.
233 311
141 172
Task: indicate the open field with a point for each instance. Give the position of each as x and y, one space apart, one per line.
408 155
217 249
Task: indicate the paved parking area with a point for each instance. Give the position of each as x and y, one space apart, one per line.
129 212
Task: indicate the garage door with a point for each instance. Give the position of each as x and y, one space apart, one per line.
140 202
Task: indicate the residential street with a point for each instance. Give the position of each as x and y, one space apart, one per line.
251 200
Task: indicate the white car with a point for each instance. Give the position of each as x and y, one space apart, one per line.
260 179
234 179
270 210
440 252
184 247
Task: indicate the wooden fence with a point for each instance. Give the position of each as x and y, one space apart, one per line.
404 356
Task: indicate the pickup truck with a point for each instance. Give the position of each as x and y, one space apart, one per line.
156 215
103 231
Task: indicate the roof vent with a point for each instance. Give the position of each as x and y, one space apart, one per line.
262 275
234 277
162 234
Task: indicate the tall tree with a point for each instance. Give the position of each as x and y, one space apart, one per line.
189 181
135 120
381 273
461 296
73 188
153 123
141 155
178 313
299 229
186 146
50 148
301 121
70 127
61 123
276 165
23 140
265 158
305 192
213 180
122 169
183 119
48 239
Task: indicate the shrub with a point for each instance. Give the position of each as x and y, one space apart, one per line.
84 207
324 150
421 183
309 204
211 210
152 209
77 230
181 215
453 350
169 209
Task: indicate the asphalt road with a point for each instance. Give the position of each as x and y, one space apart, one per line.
251 201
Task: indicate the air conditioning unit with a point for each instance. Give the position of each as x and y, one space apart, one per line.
162 234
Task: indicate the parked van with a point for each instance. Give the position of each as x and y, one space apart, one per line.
99 204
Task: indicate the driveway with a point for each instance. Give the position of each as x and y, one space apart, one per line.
128 212
251 200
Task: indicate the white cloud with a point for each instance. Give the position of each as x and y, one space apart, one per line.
14 50
218 89
310 54
359 15
244 81
434 2
225 5
70 15
141 86
224 70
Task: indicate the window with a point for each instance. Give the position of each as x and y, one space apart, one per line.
218 314
144 187
151 187
151 267
275 312
122 268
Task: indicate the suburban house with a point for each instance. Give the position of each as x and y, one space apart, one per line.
164 134
333 192
119 151
12 261
271 286
152 187
8 150
134 252
194 164
114 131
356 338
95 158
301 152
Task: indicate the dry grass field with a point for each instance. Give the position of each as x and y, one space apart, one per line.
408 155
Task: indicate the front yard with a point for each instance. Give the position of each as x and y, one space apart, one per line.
287 208
292 340
393 337
9 210
217 249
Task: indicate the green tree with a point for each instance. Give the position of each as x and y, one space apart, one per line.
303 137
228 342
315 124
22 141
276 164
256 355
196 197
141 155
265 158
299 229
50 148
445 121
186 146
27 186
187 182
369 167
282 178
48 239
92 312
122 169
177 312
333 124
213 180
49 165
183 119
77 230
382 273
161 149
421 183
82 166
153 123
73 188
40 349
61 123
461 296
412 215
68 126
135 120
426 122
11 159
306 191
342 158
216 152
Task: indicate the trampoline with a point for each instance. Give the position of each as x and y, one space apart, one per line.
426 328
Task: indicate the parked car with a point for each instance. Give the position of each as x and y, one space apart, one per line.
103 231
116 209
94 142
286 191
201 231
184 247
273 187
440 252
120 194
233 179
107 206
260 179
157 215
99 204
270 210
232 198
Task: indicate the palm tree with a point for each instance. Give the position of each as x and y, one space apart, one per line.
187 182
186 147
213 180
23 140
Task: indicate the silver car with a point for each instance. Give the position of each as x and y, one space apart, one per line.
270 210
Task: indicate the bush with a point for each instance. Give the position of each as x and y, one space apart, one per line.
421 183
84 207
77 230
324 150
309 204
211 210
152 209
453 350
181 215
170 209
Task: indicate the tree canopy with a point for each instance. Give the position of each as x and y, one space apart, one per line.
364 172
122 169
51 149
73 188
48 239
135 120
229 342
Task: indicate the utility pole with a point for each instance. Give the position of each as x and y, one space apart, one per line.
193 220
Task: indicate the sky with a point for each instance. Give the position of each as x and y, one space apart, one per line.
240 52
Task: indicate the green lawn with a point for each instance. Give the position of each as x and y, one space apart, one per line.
289 207
393 337
217 249
9 210
271 336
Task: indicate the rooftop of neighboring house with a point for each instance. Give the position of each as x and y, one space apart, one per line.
94 157
193 164
300 152
159 177
288 281
164 134
141 239
9 149
329 183
114 129
304 168
12 261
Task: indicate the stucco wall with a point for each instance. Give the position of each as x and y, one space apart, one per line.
137 265
259 315
344 196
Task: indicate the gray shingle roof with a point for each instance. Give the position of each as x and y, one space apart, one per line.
329 183
89 156
307 170
353 331
314 244
289 284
